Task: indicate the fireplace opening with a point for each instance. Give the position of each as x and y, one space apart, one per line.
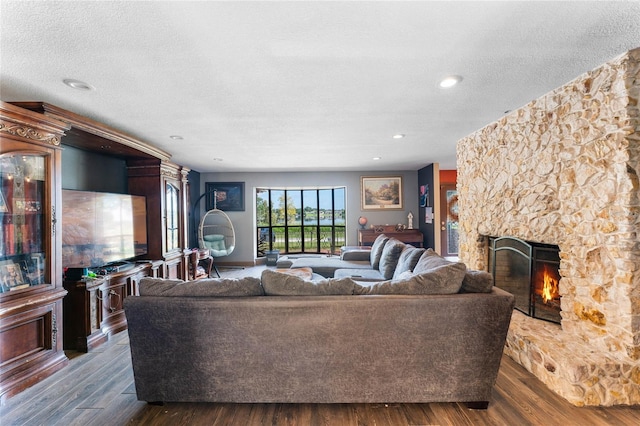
531 272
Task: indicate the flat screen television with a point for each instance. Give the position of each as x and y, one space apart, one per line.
100 228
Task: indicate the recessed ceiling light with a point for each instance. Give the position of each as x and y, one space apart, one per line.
77 84
377 158
450 81
176 137
398 136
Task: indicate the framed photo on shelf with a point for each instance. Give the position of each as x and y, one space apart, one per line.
229 196
11 276
381 193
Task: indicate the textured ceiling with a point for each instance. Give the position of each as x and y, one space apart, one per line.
286 86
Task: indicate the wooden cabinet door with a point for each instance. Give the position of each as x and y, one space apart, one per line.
31 289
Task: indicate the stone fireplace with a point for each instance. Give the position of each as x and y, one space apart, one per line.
563 170
529 271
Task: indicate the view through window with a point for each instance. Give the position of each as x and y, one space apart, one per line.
301 220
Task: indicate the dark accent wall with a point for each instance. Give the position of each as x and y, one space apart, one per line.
426 177
88 171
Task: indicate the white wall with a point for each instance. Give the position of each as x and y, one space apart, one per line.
244 222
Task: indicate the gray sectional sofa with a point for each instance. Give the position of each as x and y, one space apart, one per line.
281 338
387 259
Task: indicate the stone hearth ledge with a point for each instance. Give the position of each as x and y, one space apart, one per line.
589 378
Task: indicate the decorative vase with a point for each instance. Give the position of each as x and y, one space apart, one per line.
362 221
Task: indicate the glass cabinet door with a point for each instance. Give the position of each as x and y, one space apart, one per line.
172 215
23 231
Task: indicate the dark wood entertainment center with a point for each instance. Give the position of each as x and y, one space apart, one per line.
93 307
33 327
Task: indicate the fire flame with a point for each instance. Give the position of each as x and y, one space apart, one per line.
549 287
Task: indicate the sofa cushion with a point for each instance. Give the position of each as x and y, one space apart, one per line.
376 250
212 287
215 242
389 258
441 273
430 259
477 282
361 254
443 279
326 266
408 260
359 274
280 284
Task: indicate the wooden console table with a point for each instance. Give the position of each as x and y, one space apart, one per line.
366 237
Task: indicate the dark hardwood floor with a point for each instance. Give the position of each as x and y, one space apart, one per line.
98 389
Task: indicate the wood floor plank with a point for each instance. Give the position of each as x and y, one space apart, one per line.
394 414
451 414
261 414
420 415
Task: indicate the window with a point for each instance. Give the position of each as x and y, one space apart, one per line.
301 220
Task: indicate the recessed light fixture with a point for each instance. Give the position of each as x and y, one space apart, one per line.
398 136
450 81
77 84
377 158
176 137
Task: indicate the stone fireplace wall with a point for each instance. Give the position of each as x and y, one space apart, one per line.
563 170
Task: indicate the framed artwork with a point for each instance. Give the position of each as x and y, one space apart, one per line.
11 275
381 193
225 196
424 195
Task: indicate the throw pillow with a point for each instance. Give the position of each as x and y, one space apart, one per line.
407 261
389 257
429 259
376 250
477 282
215 241
212 287
444 279
279 284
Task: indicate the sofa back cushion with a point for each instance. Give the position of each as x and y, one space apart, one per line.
389 258
444 279
282 284
432 274
213 287
408 260
376 250
477 282
429 260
